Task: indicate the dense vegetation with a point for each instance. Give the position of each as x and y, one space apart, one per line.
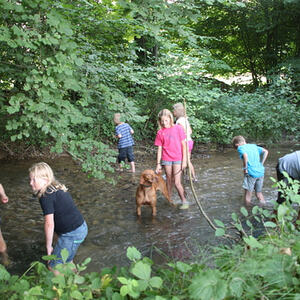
255 268
66 67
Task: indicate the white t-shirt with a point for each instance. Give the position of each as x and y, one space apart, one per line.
184 122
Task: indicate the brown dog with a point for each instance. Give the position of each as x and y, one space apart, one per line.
150 182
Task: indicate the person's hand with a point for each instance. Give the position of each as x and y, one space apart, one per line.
49 250
4 199
183 165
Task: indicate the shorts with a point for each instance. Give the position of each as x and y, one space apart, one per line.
251 183
190 145
124 153
70 241
169 163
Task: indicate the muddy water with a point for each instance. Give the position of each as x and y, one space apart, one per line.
110 210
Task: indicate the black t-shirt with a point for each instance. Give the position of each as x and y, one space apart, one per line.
66 215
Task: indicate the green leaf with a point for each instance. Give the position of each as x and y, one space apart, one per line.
60 280
133 254
208 285
36 291
141 270
4 275
270 224
142 285
124 290
183 267
249 224
156 282
252 242
96 283
76 295
255 210
49 257
220 232
123 280
244 211
79 279
219 223
236 287
234 217
64 254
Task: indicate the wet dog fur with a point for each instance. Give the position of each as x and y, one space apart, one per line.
150 182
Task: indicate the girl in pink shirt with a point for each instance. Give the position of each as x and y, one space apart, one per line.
171 153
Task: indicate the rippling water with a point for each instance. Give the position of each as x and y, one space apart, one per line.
110 210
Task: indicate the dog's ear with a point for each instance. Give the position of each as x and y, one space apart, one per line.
142 180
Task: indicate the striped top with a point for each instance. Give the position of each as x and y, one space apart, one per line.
125 130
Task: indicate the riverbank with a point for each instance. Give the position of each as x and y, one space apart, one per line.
21 150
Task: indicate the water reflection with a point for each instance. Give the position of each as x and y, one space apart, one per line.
110 210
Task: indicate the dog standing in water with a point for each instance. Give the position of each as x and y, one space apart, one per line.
150 182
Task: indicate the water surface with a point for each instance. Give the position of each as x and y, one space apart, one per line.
110 210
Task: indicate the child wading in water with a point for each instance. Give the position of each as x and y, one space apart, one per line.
252 167
181 119
124 133
171 153
60 214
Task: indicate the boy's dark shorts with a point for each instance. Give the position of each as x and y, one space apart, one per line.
124 153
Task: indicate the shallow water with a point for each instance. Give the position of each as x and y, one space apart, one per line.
110 210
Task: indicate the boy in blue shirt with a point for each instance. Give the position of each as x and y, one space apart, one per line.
252 166
124 133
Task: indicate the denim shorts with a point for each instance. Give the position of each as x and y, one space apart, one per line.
70 241
251 183
169 163
124 153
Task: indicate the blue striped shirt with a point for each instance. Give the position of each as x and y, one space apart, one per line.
126 140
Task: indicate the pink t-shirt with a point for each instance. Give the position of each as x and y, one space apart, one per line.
171 141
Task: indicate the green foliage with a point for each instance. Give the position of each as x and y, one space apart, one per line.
67 67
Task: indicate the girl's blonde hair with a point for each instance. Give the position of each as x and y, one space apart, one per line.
165 113
43 170
179 108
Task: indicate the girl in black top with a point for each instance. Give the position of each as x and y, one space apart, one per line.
60 213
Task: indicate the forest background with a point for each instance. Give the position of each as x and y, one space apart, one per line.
67 67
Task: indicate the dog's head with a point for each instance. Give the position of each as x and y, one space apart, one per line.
148 177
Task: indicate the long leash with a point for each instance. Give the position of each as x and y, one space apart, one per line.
191 181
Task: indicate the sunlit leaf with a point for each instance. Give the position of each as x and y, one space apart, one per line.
252 242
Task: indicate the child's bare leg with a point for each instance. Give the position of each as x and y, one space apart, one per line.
190 165
132 166
177 179
169 179
260 197
247 197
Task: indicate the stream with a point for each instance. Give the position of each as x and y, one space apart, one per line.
109 210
